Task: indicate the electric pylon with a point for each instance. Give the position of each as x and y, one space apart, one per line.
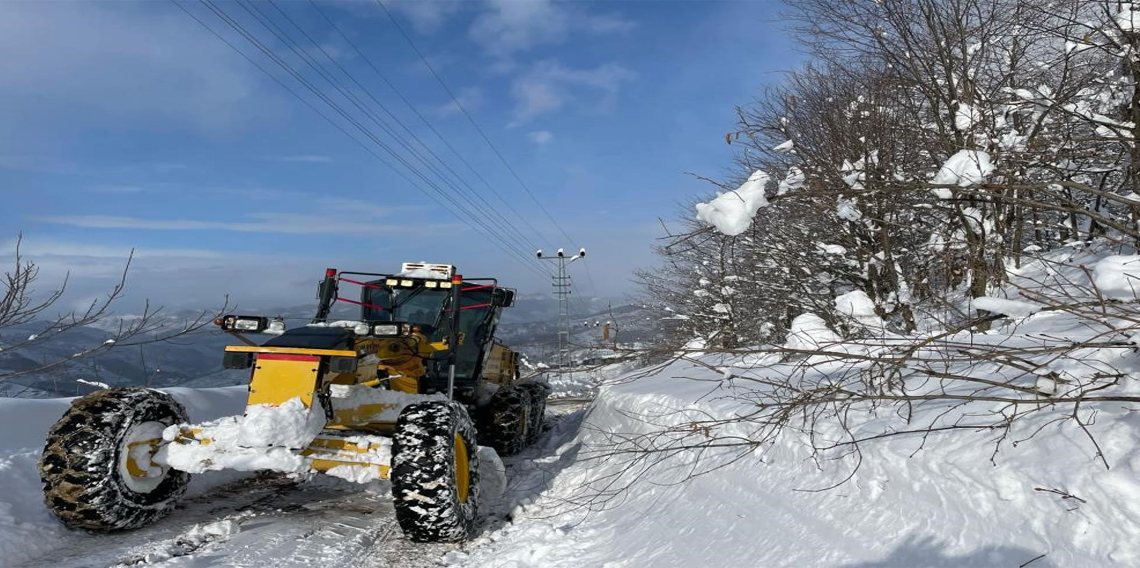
562 290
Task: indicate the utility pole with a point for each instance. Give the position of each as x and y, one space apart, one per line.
562 291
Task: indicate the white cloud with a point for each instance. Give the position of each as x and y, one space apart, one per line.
35 248
281 223
426 15
541 137
48 165
174 277
309 202
511 26
549 86
123 63
470 97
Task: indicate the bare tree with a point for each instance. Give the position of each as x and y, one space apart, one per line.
23 304
932 150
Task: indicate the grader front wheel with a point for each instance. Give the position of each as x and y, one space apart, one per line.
435 473
96 466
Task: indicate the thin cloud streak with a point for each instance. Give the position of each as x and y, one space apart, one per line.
281 223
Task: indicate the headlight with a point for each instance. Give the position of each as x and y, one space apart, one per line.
247 324
252 324
386 330
276 327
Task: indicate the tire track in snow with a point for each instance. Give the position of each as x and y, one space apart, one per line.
270 520
264 521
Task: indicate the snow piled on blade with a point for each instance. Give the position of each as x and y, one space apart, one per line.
966 168
731 212
262 439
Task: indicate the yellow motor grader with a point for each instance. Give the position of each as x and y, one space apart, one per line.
407 392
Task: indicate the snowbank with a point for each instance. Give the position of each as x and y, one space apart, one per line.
27 529
946 505
858 306
955 498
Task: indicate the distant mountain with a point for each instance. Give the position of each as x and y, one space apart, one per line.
195 360
179 361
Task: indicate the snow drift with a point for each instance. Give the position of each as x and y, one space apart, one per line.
946 505
657 480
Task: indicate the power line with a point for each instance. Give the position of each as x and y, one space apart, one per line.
475 199
472 120
221 14
479 129
424 120
295 47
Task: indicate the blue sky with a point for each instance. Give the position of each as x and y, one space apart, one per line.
128 125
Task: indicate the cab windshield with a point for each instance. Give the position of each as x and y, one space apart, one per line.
420 306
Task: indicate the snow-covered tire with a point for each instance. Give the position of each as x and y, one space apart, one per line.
84 469
537 412
504 422
435 472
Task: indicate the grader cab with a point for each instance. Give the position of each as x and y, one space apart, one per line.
407 392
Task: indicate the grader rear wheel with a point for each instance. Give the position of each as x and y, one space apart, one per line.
96 466
505 421
435 474
537 412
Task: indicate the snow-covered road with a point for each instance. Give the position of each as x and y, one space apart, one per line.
265 521
258 521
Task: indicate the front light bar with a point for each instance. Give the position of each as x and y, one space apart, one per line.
406 283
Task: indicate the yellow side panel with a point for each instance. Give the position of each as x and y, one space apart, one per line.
405 384
280 378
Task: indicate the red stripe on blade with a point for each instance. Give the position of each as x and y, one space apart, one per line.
285 357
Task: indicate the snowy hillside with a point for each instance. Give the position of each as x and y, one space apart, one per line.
694 462
946 505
